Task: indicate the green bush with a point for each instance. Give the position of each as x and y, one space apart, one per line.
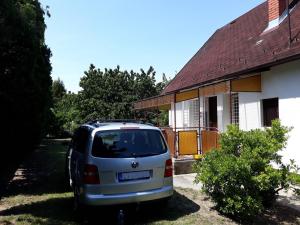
246 173
295 178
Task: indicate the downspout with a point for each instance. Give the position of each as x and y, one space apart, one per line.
175 149
204 112
230 102
200 150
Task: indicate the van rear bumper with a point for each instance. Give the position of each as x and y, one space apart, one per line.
94 200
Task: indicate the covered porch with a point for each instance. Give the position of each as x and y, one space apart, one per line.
198 115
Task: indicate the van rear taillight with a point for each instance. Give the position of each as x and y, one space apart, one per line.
169 168
90 174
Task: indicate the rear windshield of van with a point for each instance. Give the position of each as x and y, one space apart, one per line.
128 143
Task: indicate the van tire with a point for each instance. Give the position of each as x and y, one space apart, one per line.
78 207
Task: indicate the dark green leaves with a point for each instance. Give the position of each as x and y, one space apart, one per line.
246 173
25 80
110 94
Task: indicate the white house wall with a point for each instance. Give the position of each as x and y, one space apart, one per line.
223 110
250 112
282 82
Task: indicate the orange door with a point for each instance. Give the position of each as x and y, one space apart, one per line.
169 135
209 140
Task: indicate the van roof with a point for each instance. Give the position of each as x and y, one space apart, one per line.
117 125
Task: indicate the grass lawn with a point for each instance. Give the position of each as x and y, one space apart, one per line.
38 195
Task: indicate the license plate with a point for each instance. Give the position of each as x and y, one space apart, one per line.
129 176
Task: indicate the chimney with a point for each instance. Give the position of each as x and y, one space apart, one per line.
276 9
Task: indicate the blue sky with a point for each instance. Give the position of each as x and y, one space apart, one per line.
134 34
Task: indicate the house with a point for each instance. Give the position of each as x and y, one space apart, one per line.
247 73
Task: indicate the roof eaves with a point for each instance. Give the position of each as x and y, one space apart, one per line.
260 68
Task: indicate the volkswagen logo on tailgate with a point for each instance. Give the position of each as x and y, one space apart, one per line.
134 164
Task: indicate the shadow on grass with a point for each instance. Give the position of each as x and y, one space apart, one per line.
42 172
277 215
59 211
179 206
6 175
55 209
9 164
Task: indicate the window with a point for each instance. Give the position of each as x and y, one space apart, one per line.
270 111
185 110
194 113
128 143
80 140
235 112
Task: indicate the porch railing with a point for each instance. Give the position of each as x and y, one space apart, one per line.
190 140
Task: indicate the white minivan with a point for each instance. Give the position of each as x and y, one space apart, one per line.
118 162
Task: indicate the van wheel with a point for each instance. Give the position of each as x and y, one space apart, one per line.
78 207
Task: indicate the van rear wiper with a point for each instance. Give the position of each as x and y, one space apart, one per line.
145 154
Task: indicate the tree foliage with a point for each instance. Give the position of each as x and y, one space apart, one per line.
58 90
110 94
246 173
65 115
107 94
24 76
161 85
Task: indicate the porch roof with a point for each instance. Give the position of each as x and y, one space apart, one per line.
161 101
247 84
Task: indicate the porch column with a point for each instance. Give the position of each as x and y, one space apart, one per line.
202 111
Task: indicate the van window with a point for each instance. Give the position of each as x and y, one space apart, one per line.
80 140
128 143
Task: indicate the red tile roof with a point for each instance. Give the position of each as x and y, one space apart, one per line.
241 47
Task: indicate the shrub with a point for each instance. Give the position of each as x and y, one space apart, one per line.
246 173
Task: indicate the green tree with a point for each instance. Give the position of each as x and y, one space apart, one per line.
144 84
68 110
110 94
58 90
25 81
161 85
162 117
65 115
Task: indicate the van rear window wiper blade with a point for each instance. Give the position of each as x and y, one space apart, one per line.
144 154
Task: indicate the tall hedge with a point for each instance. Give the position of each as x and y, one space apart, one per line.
24 79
